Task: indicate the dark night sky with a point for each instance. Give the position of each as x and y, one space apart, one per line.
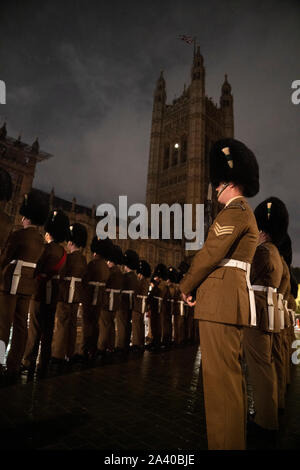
80 75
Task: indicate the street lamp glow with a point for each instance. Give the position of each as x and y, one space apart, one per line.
176 145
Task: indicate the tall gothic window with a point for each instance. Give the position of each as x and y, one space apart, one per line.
183 156
166 157
175 156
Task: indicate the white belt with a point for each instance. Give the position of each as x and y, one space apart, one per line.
160 299
72 287
181 309
144 298
17 273
281 312
49 289
172 305
285 306
111 297
270 291
130 293
96 284
234 263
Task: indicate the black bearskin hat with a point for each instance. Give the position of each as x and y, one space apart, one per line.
35 207
171 274
131 259
272 217
183 267
78 235
57 225
232 161
101 247
5 185
160 271
294 286
144 268
285 249
115 254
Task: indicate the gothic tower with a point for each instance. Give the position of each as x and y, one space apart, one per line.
181 137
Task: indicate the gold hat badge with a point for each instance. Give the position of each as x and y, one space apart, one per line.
269 205
226 152
54 215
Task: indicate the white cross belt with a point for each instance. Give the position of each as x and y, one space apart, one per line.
111 297
181 307
234 263
281 311
17 273
159 302
270 291
144 298
97 285
130 293
72 280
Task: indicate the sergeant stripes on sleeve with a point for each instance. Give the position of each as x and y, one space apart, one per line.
223 229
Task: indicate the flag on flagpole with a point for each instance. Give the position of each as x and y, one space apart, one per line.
187 39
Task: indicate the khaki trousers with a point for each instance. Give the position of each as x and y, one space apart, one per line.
287 356
40 331
107 330
279 361
138 329
65 330
262 376
14 311
155 325
224 385
90 320
123 322
166 327
179 329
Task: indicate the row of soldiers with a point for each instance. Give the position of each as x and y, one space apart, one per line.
245 303
51 281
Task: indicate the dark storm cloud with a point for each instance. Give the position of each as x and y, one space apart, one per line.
80 75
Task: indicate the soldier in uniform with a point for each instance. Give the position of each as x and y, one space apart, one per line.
94 284
5 196
45 300
266 272
168 312
70 296
111 301
180 309
157 305
18 262
224 301
140 306
130 285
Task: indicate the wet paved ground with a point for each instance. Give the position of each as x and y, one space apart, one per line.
149 402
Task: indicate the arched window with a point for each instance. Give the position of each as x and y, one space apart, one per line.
166 157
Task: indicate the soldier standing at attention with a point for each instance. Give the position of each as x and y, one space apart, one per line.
266 272
168 312
111 301
5 196
94 284
45 300
157 305
140 306
130 285
18 261
70 296
225 301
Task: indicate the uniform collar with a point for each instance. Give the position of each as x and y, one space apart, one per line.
232 199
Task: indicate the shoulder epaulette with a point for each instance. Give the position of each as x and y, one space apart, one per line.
237 205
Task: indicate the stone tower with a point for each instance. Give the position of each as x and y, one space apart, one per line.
181 137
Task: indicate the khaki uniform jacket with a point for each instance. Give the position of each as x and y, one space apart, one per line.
5 229
266 270
26 244
177 300
97 271
115 281
170 298
75 266
222 294
159 290
142 289
46 268
130 282
285 289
